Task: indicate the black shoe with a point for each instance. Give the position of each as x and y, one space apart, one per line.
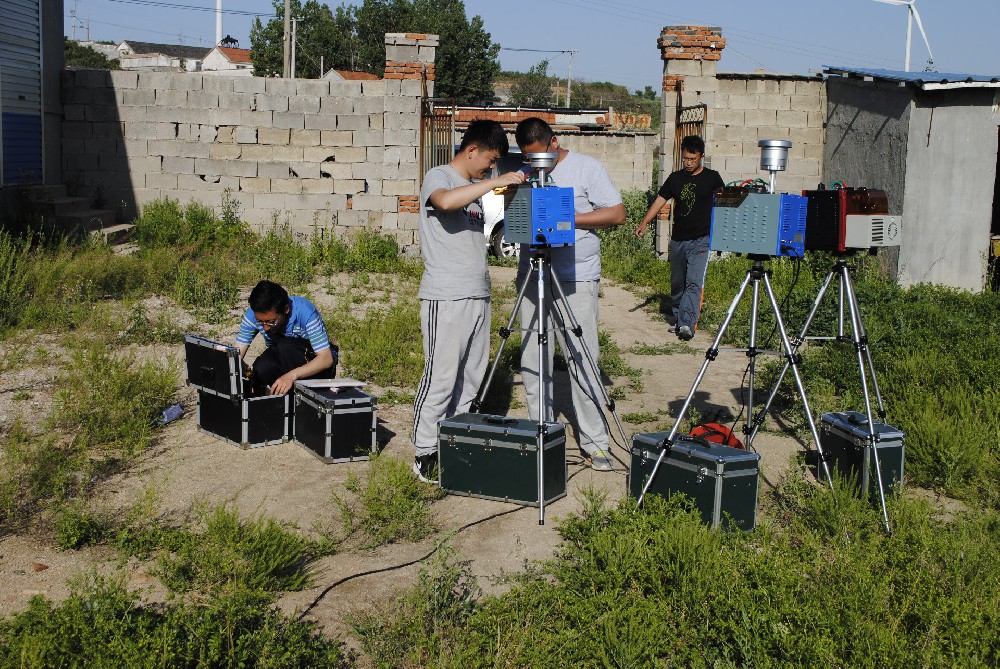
426 467
684 333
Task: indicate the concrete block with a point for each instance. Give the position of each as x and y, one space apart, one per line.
93 79
403 137
409 221
286 185
337 105
352 122
777 102
733 86
171 98
124 79
350 154
804 168
101 114
161 115
394 121
770 87
210 166
255 185
219 84
341 89
272 152
218 116
755 86
289 120
336 138
273 170
144 130
375 154
810 88
405 187
813 152
285 87
352 218
139 98
203 99
410 87
806 103
816 119
303 104
742 102
318 154
177 165
225 151
237 101
777 132
336 170
189 149
370 172
74 112
369 105
761 117
225 134
401 105
135 148
199 182
305 137
806 135
271 200
735 133
373 87
162 181
260 119
320 122
245 135
409 171
76 95
786 87
378 203
317 186
390 222
273 135
375 121
792 119
348 186
266 102
241 168
209 133
304 170
368 138
314 88
737 167
401 53
720 149
248 84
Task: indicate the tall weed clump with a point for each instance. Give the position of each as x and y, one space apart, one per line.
14 264
380 345
627 258
369 252
823 585
102 624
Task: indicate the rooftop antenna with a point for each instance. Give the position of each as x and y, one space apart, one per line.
911 13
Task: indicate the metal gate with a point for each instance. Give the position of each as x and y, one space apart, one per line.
437 133
690 121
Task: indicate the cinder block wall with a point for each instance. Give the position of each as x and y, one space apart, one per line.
309 153
628 157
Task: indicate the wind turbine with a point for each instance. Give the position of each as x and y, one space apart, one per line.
911 13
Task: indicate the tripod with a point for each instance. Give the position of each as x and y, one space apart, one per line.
859 337
541 267
755 275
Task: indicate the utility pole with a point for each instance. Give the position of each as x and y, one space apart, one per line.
286 40
72 13
295 23
569 79
218 22
321 72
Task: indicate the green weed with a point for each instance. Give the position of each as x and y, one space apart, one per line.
14 266
35 469
76 527
669 348
391 504
640 417
380 346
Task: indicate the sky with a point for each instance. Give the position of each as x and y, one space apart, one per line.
615 40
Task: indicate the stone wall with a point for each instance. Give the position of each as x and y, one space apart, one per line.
309 153
628 157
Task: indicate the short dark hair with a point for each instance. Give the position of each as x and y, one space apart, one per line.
488 135
532 130
693 144
268 296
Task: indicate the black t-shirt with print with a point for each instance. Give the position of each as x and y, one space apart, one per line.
692 196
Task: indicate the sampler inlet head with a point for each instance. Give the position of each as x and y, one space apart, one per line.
541 160
774 154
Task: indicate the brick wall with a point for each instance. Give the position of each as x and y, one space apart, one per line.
335 154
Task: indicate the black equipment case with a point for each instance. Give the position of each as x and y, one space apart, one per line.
225 407
335 424
497 458
847 449
721 480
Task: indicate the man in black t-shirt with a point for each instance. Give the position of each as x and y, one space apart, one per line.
691 189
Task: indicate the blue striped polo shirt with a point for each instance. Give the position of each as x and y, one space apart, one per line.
304 322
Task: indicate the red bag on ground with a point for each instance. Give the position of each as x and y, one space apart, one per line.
717 433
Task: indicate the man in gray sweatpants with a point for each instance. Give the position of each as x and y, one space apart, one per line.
598 206
455 288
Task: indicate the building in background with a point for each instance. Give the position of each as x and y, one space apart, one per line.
228 60
163 57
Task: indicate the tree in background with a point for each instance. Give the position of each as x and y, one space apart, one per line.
353 38
321 34
77 55
533 89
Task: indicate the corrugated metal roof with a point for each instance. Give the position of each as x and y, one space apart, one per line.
925 80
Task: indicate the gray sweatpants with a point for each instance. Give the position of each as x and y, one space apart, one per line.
586 391
456 353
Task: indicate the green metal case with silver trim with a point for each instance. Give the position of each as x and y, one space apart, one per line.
844 437
721 480
497 458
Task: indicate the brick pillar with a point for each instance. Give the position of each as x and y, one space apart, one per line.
411 56
689 55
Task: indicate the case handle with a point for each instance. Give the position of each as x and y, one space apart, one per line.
500 420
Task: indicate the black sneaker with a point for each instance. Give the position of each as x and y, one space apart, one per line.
684 333
426 467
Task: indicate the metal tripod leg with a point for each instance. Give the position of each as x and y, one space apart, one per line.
859 346
505 333
577 330
710 355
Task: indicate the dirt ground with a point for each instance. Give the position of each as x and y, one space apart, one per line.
288 483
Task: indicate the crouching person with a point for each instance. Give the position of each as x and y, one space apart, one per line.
297 343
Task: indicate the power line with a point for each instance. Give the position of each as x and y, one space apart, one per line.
196 8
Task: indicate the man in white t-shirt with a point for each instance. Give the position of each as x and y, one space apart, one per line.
598 206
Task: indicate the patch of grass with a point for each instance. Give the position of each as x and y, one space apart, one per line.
14 267
640 418
234 553
135 326
108 402
670 348
383 346
392 397
21 396
613 364
369 252
390 505
102 624
76 527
